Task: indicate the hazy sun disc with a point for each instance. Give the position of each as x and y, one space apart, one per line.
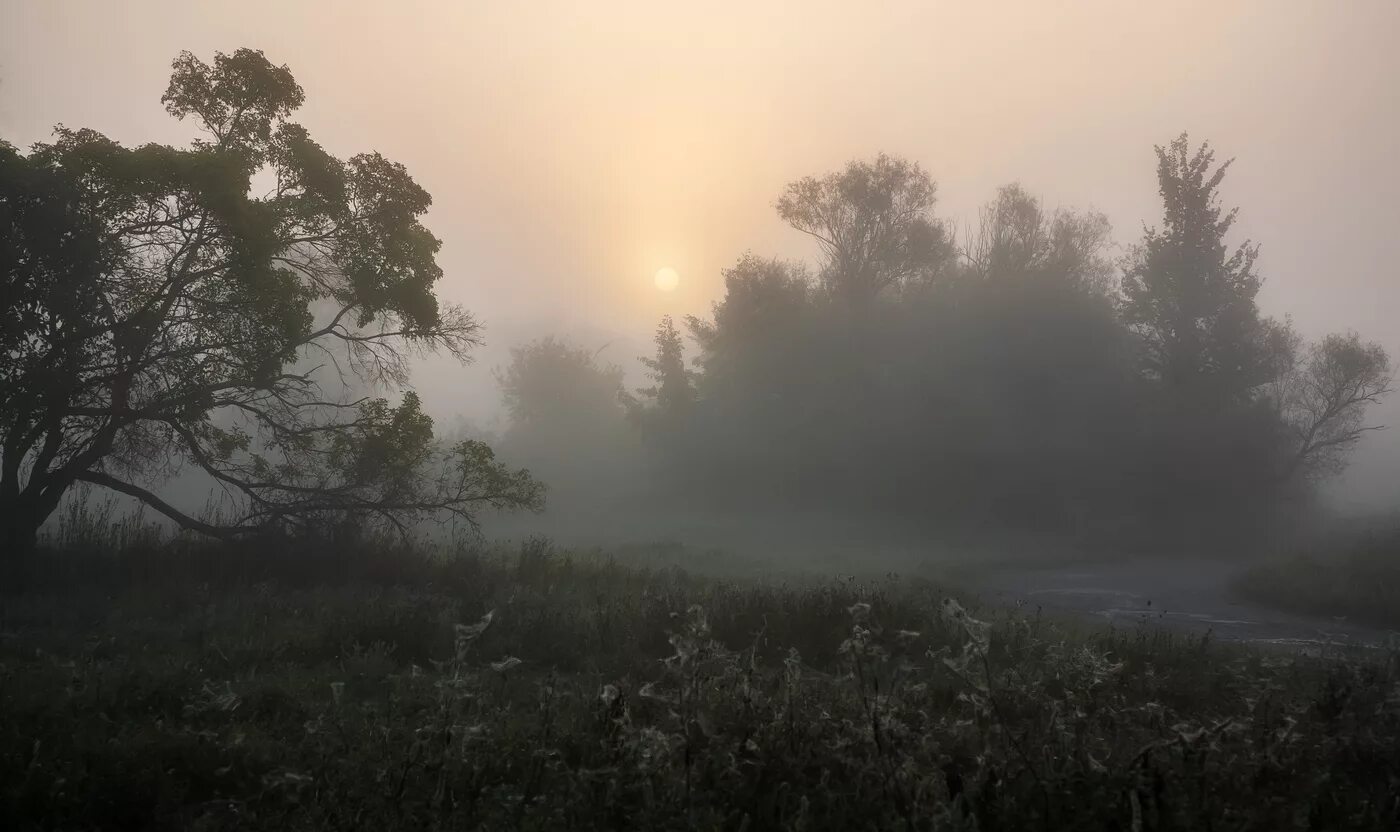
667 279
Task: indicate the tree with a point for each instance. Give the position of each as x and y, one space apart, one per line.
568 421
673 394
559 397
178 318
764 299
1018 239
1189 298
1323 398
874 222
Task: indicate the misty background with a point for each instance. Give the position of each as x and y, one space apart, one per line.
571 156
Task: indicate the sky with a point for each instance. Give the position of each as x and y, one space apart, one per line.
572 149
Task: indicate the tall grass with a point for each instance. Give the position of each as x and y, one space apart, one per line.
1359 578
203 687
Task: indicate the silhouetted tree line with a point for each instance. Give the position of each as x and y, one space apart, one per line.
1019 379
158 313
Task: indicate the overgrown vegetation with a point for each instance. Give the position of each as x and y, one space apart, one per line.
1359 578
186 687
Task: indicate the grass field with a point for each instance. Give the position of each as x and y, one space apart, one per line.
372 687
1357 577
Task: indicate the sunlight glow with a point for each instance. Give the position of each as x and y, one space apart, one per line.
667 279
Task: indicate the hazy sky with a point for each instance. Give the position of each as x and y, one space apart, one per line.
573 149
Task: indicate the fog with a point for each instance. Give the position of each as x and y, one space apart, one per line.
748 415
570 153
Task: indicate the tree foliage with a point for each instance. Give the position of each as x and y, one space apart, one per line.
558 395
568 413
1018 239
1005 385
672 393
763 300
875 226
182 317
1189 297
1322 400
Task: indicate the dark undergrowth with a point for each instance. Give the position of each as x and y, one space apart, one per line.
175 686
1359 578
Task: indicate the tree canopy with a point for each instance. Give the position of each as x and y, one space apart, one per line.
672 392
874 224
171 307
1188 296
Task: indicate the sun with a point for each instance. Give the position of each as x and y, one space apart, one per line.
667 279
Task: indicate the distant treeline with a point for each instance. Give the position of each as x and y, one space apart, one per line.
1022 379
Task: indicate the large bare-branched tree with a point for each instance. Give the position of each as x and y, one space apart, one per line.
208 306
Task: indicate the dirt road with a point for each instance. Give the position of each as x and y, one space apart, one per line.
1186 595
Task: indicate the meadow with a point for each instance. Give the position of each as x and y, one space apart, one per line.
187 685
1355 576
